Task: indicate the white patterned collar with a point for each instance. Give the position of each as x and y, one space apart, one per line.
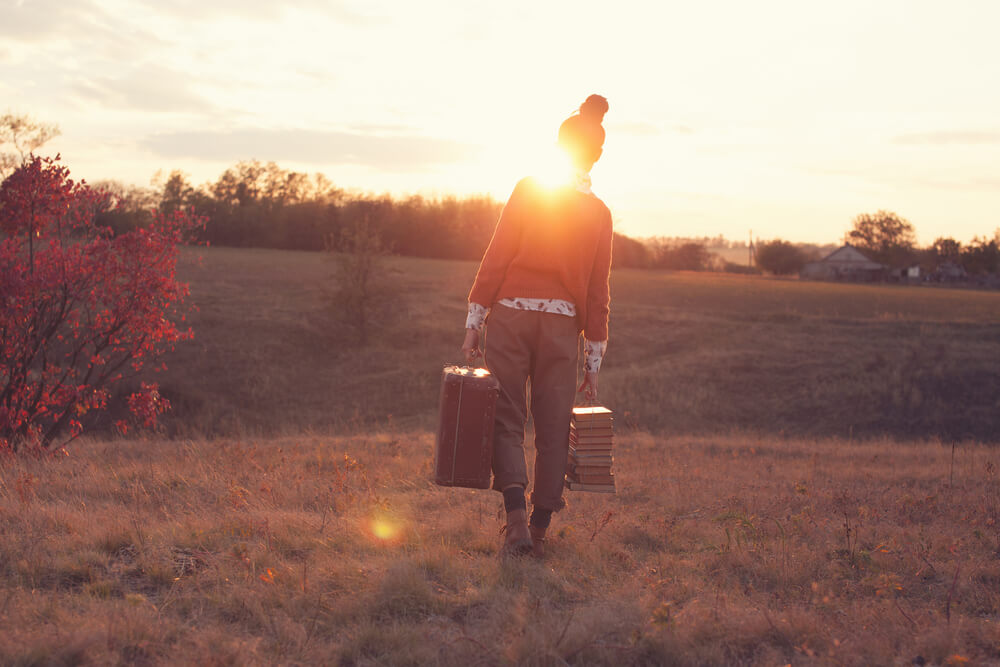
581 182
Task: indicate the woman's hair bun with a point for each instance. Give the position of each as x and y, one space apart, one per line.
594 108
582 133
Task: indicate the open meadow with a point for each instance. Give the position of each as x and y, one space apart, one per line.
807 474
689 352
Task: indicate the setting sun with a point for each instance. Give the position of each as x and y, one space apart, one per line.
551 168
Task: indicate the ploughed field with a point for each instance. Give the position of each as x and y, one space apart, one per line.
806 474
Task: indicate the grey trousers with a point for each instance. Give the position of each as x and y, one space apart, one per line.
523 346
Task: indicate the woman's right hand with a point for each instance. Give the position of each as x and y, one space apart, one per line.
470 348
589 386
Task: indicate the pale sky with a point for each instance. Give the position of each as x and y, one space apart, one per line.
788 117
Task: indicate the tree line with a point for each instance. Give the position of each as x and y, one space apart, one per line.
889 239
262 205
257 204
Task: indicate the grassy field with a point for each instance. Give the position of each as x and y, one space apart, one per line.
807 474
690 353
310 550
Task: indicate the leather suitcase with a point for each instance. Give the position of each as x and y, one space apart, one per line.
464 452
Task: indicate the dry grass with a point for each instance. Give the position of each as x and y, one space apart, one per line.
721 550
272 356
767 519
690 353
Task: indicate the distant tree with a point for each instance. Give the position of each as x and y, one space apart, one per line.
780 257
176 193
80 309
25 136
981 256
240 185
126 207
946 250
884 237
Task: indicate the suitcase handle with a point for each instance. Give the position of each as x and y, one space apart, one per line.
466 371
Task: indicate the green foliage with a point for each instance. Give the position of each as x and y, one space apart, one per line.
780 257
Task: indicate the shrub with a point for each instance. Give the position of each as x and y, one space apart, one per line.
688 256
780 257
362 295
80 309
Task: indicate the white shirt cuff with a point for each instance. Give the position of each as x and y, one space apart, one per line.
476 316
593 354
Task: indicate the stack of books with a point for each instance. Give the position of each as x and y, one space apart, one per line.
591 439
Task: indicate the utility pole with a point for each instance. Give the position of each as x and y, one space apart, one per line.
750 250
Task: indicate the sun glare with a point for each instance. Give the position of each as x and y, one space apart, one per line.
553 168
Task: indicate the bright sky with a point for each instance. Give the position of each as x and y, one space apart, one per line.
788 117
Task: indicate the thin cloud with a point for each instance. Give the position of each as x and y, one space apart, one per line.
224 9
56 23
901 179
389 152
946 137
380 128
40 19
146 88
642 129
970 185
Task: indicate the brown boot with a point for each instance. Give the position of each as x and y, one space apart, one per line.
517 539
538 541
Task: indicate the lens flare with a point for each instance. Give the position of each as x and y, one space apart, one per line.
383 529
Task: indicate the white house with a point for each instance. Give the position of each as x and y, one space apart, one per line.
845 263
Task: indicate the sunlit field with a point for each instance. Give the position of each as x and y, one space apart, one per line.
807 474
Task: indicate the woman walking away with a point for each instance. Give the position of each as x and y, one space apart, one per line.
543 280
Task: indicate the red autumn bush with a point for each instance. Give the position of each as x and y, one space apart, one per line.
80 309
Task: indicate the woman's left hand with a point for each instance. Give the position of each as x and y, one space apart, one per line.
470 348
589 386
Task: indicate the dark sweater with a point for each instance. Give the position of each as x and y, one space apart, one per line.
551 244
